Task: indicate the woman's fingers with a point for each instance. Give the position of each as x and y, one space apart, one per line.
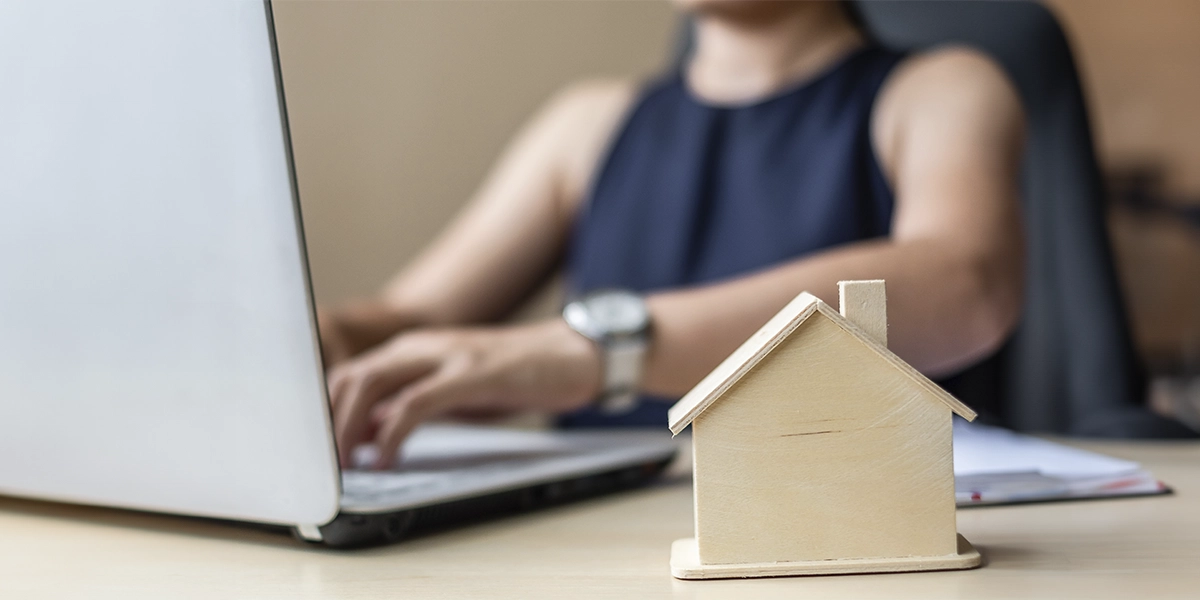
423 399
384 394
335 382
358 385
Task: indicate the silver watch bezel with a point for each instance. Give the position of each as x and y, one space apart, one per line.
622 350
581 315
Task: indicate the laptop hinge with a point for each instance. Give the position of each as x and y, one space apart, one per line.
310 533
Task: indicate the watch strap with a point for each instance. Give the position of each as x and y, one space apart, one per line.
623 362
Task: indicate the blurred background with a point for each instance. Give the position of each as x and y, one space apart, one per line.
399 108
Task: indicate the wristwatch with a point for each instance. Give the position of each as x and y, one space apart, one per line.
619 323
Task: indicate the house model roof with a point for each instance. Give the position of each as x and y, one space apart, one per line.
799 310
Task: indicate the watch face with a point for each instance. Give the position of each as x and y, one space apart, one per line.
618 312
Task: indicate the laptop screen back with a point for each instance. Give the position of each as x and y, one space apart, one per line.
156 331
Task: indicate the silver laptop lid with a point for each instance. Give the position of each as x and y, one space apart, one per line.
157 345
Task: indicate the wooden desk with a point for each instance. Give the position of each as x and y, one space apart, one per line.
615 547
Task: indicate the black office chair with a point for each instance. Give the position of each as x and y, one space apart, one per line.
1070 367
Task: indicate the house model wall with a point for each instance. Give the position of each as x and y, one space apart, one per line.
817 450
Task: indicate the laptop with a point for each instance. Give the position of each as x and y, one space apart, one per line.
158 345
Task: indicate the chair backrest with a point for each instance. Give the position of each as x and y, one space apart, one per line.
1071 366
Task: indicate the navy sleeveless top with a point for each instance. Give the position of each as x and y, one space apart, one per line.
693 193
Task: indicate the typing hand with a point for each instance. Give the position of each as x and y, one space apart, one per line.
353 328
383 394
335 345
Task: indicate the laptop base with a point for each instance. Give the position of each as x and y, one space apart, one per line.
357 530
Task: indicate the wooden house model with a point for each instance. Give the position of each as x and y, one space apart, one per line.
817 450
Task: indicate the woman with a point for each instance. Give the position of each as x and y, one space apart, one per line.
789 153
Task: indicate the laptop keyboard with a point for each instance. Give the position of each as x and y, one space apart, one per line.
367 486
443 462
374 487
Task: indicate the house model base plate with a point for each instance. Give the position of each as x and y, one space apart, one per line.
685 564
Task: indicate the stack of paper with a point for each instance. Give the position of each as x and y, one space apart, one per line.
998 466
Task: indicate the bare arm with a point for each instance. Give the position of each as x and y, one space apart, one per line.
509 237
948 129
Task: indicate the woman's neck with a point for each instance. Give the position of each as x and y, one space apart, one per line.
744 55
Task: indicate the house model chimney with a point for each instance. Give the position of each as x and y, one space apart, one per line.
864 303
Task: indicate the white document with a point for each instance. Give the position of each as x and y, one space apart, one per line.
997 466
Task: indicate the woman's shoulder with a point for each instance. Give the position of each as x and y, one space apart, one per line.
952 68
583 117
948 78
586 96
955 86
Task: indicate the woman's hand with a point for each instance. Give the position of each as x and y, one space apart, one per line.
335 342
387 391
351 329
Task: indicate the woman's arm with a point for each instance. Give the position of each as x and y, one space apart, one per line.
948 128
507 240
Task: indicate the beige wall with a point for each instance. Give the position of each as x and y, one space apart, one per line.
398 108
1141 69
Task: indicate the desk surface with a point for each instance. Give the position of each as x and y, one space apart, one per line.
615 547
